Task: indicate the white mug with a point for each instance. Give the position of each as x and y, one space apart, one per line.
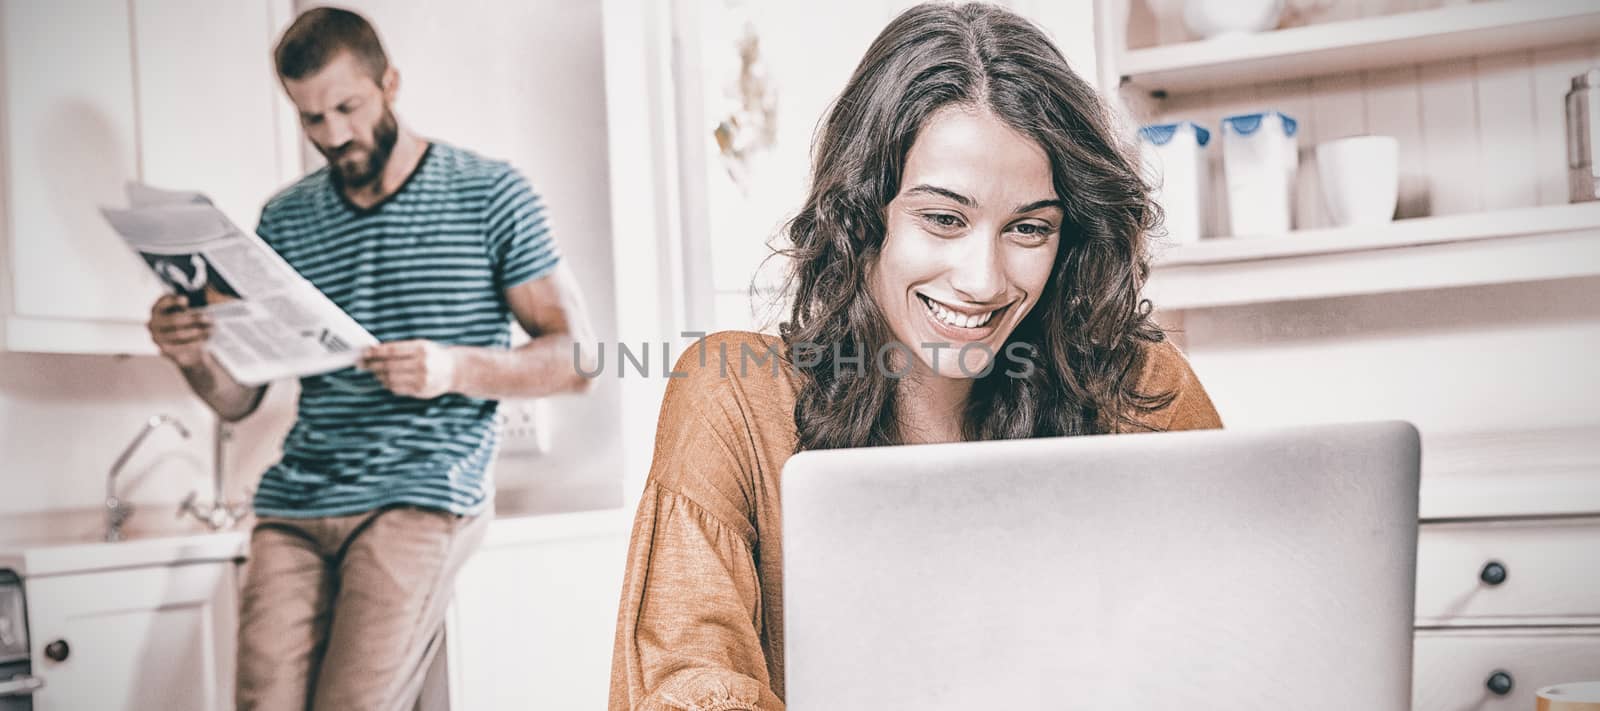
1577 696
1360 179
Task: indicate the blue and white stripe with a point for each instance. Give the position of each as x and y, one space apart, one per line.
433 262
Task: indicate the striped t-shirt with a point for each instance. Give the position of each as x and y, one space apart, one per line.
432 261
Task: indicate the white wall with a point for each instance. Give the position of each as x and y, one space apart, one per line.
1499 379
1473 359
65 418
522 81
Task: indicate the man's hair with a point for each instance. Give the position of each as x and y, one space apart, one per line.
318 35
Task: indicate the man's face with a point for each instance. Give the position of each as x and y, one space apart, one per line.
346 114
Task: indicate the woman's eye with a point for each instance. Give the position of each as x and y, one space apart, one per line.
942 220
1034 232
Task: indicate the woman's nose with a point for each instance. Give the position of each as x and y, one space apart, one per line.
975 272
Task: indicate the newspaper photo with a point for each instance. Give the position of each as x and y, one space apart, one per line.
269 322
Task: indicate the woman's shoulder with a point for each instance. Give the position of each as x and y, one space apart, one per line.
1164 363
738 382
741 365
1166 370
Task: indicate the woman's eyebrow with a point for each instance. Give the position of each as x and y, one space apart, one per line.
943 192
1040 204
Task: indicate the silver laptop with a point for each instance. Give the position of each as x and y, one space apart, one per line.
1224 569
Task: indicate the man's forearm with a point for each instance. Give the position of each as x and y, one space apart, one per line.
230 400
544 366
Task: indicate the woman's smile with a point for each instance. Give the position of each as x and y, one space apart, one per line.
961 324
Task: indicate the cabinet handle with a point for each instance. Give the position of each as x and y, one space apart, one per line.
1493 573
1500 682
57 650
20 685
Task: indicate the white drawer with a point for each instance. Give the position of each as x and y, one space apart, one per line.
1453 667
1551 573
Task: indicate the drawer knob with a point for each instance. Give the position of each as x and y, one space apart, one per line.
1500 682
1493 573
57 651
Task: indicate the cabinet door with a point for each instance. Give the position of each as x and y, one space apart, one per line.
136 639
175 93
71 142
209 102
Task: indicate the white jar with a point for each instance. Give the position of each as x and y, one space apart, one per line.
1260 157
1175 161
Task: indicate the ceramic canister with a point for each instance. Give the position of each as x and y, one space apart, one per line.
1260 158
1174 155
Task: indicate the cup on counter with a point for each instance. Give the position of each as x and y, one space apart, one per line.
1260 158
1360 179
1577 696
1174 156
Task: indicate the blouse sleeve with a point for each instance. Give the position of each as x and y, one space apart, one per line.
688 628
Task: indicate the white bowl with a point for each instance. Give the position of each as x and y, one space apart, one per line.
1360 179
1213 18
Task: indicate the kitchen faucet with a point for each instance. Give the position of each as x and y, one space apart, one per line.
117 510
220 513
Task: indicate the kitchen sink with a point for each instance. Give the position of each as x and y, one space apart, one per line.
72 542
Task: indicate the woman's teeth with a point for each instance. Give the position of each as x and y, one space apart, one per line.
954 319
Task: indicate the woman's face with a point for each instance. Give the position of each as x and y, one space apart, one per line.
971 239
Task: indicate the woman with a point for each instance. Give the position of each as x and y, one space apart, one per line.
972 220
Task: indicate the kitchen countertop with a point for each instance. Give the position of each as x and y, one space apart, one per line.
62 542
42 557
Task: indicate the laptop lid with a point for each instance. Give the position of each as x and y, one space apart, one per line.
1269 569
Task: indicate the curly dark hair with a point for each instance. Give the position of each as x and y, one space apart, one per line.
1090 330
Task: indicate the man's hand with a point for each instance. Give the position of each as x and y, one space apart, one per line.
179 331
420 369
181 334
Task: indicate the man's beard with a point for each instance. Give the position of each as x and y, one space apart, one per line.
365 173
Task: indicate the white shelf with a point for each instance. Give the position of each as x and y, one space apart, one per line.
1400 233
1523 244
59 335
1334 47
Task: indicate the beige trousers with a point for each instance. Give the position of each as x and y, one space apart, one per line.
345 613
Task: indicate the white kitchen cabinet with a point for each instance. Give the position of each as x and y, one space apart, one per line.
1472 91
158 637
534 615
1511 572
100 92
1454 667
212 115
1509 546
71 141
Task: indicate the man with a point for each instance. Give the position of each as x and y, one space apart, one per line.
382 491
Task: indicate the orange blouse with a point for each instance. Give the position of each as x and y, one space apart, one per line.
701 619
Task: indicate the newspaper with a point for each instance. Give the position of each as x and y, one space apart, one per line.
268 321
